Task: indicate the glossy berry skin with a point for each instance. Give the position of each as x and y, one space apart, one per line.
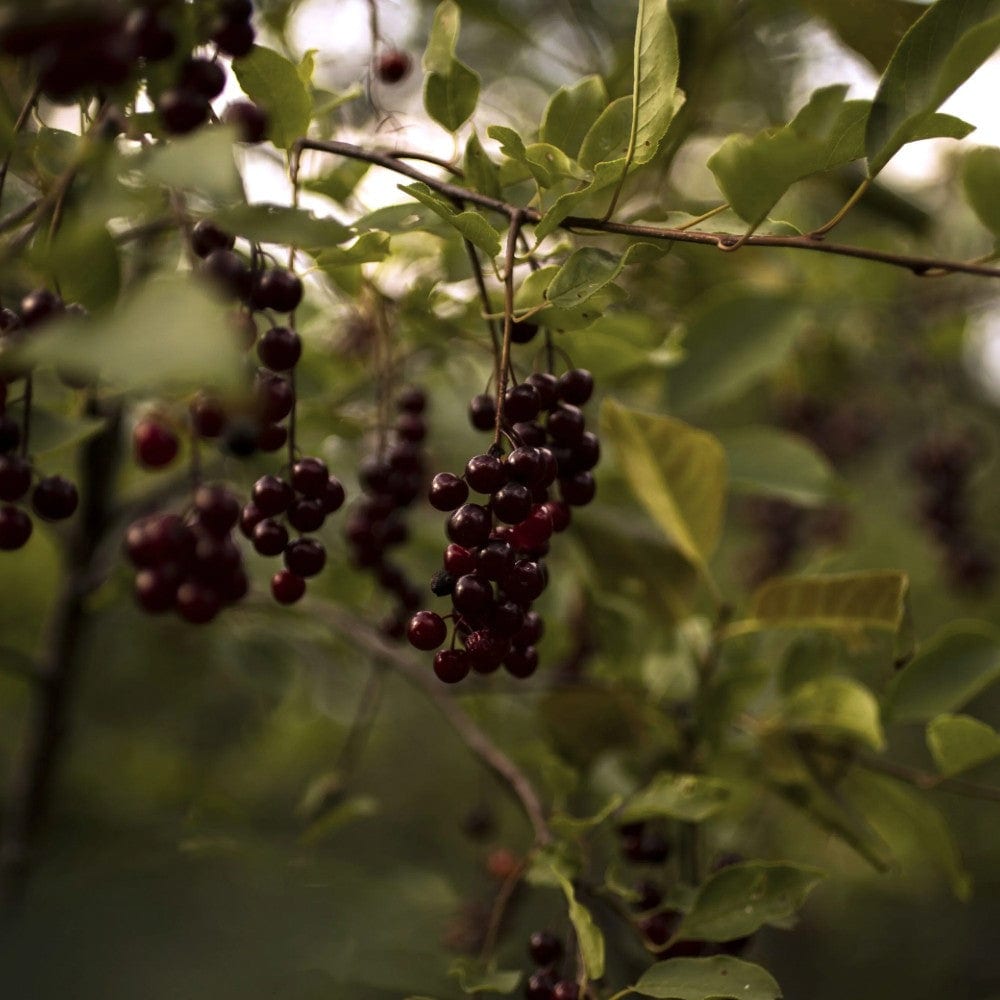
251 122
576 386
458 560
512 504
472 595
275 397
483 412
305 557
155 444
203 76
545 948
578 490
235 38
155 590
181 111
451 666
279 349
286 587
55 498
277 289
15 478
208 417
269 538
540 986
392 66
494 560
271 437
485 473
524 465
521 403
272 495
206 236
229 272
566 425
521 662
333 495
15 529
310 476
447 492
306 515
469 526
426 630
486 650
39 306
525 581
547 387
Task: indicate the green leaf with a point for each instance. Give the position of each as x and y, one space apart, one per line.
264 223
740 899
840 602
733 339
52 433
532 295
574 826
754 172
910 824
451 89
961 661
721 977
370 246
590 269
959 743
474 978
171 332
202 162
470 223
546 163
940 52
834 706
872 28
981 180
571 112
273 82
339 183
589 938
765 461
481 173
692 798
678 473
96 284
607 139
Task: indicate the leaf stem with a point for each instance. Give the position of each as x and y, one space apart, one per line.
818 234
704 217
516 221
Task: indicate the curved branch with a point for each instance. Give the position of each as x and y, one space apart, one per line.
473 737
919 265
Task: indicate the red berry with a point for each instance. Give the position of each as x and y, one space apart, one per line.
197 603
305 557
155 444
155 590
217 509
207 417
458 560
451 666
306 515
286 587
447 492
392 66
426 630
270 538
310 477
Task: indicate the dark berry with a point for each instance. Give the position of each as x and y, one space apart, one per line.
39 306
447 492
472 595
271 437
521 662
559 513
215 560
272 495
524 582
236 10
208 417
155 444
234 38
578 490
469 526
277 289
250 517
411 427
486 650
426 630
576 386
182 110
451 665
522 332
540 986
15 478
229 271
305 557
333 496
10 434
483 412
151 37
392 65
306 515
566 989
524 465
547 387
494 560
530 434
521 403
275 396
54 498
197 603
206 236
565 425
545 948
155 590
587 452
411 400
286 587
217 509
270 538
512 504
458 560
659 928
235 587
203 76
442 583
15 528
531 631
310 477
485 473
508 619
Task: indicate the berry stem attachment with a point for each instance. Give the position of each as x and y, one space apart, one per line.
484 296
516 221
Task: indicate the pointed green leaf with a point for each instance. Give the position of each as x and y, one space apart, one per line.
473 977
766 461
52 433
733 339
264 223
589 938
842 602
370 246
274 83
959 743
481 173
470 223
942 49
532 294
607 139
340 182
834 706
590 269
678 473
981 180
740 899
451 89
721 977
958 663
692 798
571 112
654 78
872 28
202 162
910 824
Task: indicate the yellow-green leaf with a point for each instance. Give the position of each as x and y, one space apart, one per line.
692 798
721 977
834 706
958 743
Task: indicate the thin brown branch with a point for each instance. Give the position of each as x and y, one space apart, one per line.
919 265
484 298
473 737
516 221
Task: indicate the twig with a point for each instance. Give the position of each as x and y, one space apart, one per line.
499 910
919 265
484 297
473 737
516 220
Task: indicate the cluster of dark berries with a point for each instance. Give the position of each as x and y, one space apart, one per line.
191 565
391 481
493 569
52 498
545 983
301 504
944 464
